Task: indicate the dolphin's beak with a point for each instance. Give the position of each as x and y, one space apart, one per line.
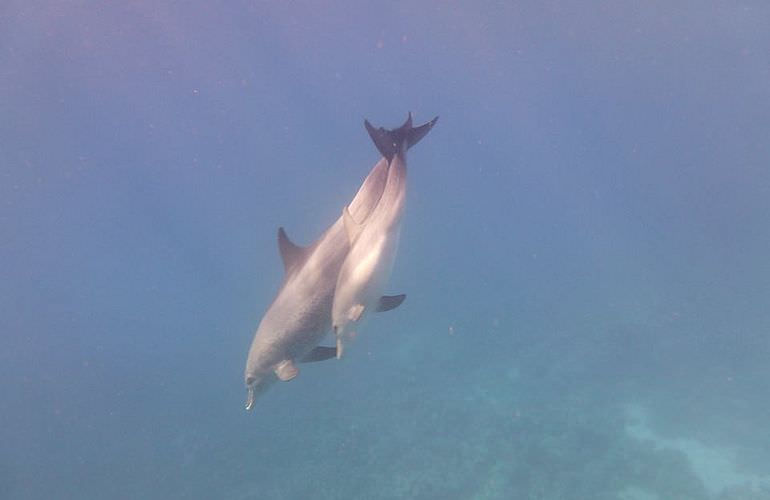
249 398
340 347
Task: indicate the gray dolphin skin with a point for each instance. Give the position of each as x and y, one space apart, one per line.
300 314
374 237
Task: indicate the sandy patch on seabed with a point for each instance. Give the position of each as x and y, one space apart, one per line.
715 467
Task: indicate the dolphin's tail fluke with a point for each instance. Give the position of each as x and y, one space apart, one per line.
392 142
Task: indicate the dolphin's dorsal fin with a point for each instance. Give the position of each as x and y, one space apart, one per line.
396 141
352 228
389 302
320 353
285 370
291 254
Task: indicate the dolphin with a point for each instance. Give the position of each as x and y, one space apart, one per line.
300 315
374 237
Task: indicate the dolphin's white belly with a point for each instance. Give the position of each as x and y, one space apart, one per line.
368 265
364 275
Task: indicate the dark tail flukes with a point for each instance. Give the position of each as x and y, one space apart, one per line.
392 142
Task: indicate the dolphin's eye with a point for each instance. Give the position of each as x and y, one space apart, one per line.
250 379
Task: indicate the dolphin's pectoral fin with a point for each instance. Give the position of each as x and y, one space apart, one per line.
291 254
320 353
390 302
285 370
352 228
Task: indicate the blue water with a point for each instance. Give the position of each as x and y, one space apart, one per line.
584 252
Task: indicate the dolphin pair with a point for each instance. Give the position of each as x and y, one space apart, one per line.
354 256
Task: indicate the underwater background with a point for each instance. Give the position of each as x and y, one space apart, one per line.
585 249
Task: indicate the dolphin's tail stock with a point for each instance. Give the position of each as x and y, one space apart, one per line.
396 141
